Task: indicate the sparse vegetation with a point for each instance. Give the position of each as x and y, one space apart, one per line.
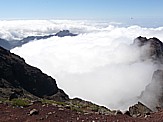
45 101
95 108
77 109
3 100
20 102
73 104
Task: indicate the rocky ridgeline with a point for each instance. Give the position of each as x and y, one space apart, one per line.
17 43
18 79
154 48
152 97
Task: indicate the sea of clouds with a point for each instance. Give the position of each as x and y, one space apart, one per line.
100 64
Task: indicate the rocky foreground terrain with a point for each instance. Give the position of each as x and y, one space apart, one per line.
46 112
27 94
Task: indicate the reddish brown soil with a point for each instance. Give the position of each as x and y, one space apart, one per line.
50 113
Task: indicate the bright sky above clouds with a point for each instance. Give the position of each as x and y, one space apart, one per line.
80 9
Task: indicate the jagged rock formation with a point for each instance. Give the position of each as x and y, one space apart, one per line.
20 79
155 47
152 96
139 110
17 43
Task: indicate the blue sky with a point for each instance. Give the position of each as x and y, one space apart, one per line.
80 9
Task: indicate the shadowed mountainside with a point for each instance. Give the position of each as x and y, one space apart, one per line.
18 78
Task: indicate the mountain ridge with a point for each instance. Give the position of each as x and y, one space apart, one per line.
17 43
17 75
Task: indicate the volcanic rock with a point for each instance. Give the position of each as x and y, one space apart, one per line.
127 113
33 112
139 110
16 75
153 93
155 47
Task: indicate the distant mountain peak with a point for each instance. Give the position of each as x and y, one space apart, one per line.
64 33
17 43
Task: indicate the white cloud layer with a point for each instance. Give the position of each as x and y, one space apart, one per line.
98 65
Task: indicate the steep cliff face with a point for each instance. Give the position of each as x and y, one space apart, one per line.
16 74
153 93
152 96
155 47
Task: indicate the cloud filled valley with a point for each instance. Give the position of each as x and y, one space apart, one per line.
101 64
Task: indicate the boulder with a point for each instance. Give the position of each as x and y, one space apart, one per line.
34 112
139 109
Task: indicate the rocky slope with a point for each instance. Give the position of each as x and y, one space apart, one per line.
18 79
61 112
39 112
5 44
153 93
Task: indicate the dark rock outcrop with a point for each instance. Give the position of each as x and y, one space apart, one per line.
139 110
155 49
15 74
64 33
153 93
